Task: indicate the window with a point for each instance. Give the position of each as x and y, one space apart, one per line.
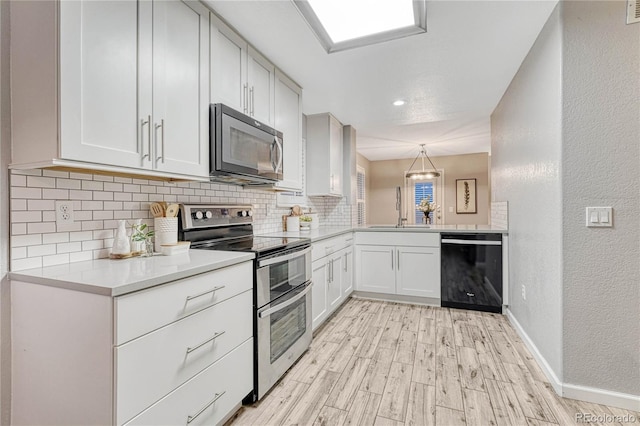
346 24
360 196
422 190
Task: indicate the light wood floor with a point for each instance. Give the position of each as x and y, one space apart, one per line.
379 363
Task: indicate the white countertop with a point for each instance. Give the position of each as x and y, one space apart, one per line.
488 229
323 233
118 277
314 234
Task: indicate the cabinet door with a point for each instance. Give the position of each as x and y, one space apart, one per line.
288 120
347 272
319 305
180 87
260 76
418 271
99 74
228 67
335 155
375 269
334 287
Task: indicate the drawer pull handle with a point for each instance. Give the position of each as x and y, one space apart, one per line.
205 293
209 404
215 336
471 294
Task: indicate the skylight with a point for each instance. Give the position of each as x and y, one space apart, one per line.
346 24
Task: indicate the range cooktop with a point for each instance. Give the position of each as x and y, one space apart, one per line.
262 246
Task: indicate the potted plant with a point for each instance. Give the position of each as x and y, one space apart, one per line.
426 207
305 222
142 235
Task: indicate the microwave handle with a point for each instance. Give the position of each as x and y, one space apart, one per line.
274 163
279 145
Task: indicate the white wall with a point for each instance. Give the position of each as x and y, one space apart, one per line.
566 136
601 167
525 171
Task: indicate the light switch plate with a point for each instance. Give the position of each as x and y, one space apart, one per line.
599 217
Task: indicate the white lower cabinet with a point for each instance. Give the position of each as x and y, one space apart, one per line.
319 305
209 397
398 263
177 353
334 284
418 271
332 275
347 271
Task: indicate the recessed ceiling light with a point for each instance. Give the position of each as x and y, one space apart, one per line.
399 102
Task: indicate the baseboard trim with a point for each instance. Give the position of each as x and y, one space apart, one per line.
542 362
602 396
567 390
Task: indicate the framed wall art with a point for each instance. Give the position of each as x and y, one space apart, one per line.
466 197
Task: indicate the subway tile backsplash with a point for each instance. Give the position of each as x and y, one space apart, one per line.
100 201
500 214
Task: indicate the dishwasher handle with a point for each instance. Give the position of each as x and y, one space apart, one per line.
471 242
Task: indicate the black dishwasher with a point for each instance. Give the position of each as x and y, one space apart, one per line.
471 271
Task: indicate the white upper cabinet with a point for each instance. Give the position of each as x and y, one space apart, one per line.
99 72
324 155
261 81
288 115
228 67
180 78
240 76
133 86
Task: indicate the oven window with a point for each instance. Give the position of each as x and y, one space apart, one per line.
287 275
287 326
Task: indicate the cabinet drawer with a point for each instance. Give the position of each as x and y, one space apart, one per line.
227 382
326 247
419 239
145 311
152 366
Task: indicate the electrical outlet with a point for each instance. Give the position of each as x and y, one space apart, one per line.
524 293
64 215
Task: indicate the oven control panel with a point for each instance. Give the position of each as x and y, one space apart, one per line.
211 215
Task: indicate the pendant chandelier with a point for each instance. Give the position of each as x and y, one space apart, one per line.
422 174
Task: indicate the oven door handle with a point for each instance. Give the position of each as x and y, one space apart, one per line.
283 305
279 259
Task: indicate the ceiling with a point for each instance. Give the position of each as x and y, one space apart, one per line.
452 77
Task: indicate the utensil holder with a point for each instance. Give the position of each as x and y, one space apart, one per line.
166 231
293 223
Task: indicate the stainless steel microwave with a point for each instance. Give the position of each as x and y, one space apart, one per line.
243 150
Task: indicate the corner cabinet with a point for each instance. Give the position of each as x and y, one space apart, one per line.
288 114
398 263
324 155
240 76
120 84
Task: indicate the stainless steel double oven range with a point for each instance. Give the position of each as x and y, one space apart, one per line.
282 284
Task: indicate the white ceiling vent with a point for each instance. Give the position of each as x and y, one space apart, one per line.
633 11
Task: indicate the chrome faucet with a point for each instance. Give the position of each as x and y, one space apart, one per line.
401 220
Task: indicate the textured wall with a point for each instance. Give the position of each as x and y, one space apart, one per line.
100 201
525 168
601 163
387 174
